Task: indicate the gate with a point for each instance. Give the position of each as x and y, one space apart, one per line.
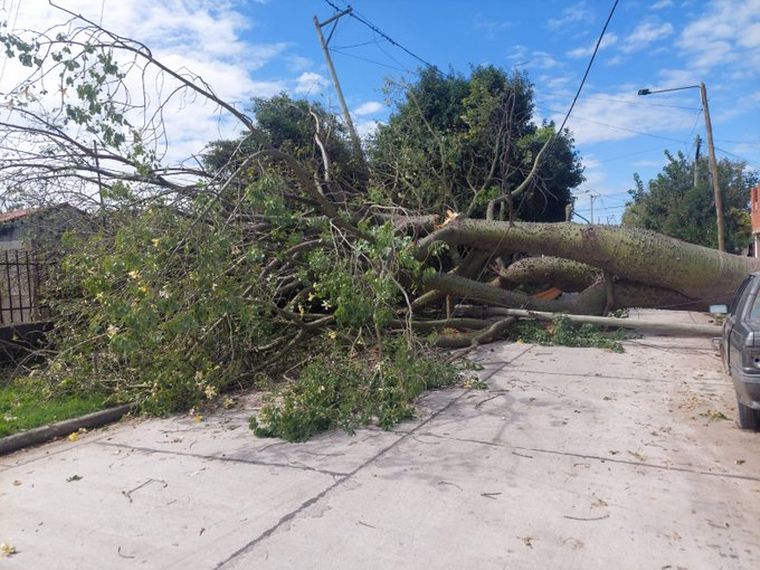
20 276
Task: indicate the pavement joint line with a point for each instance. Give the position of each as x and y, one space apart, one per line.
309 502
603 377
223 459
594 457
46 455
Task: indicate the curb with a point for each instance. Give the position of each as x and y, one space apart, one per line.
42 434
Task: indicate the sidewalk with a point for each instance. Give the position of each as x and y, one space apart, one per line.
573 458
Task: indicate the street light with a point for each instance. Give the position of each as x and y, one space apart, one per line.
711 149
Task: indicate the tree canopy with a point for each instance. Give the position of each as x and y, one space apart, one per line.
461 141
674 205
303 129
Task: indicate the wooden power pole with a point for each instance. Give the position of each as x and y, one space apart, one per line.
713 169
346 114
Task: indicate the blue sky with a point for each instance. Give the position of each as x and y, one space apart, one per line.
263 47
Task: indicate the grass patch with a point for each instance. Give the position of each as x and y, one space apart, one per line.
562 332
348 391
25 406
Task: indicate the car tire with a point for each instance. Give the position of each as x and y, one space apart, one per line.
749 418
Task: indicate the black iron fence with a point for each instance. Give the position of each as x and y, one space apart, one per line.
21 273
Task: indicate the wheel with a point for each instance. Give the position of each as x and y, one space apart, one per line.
749 418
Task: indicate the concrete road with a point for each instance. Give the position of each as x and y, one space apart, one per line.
572 458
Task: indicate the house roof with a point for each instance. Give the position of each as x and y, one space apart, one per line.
16 214
19 214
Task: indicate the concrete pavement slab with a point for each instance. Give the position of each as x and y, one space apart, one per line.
98 506
520 475
227 435
443 503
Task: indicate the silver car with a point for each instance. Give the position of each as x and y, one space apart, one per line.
740 349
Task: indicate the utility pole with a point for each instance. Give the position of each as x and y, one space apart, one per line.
346 114
698 145
592 197
713 169
711 150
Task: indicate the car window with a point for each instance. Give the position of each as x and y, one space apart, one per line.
739 293
754 313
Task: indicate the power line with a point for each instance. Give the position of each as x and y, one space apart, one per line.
626 101
340 52
729 153
642 103
588 67
378 31
615 126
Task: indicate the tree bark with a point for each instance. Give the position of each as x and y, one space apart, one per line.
564 274
694 274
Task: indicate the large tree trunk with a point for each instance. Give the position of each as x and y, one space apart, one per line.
646 269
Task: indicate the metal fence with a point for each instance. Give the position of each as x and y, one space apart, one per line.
20 276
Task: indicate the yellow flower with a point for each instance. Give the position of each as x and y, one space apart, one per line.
156 242
210 392
332 334
134 274
7 549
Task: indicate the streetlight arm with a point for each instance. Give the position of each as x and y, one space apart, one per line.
713 160
650 92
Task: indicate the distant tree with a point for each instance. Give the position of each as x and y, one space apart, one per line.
673 205
460 141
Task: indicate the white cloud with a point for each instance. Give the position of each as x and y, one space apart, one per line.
197 37
368 108
647 163
571 14
727 33
490 28
299 63
619 115
532 58
310 83
644 35
609 39
366 128
660 4
542 60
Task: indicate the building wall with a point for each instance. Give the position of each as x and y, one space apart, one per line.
755 205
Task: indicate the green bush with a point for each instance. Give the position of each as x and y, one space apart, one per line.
347 391
564 333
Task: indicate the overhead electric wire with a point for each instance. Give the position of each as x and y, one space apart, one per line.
617 127
588 67
378 31
557 94
642 103
340 52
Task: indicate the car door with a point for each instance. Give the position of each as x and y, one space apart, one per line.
735 330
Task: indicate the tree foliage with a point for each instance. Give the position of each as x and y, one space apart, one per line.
674 205
270 257
461 141
303 129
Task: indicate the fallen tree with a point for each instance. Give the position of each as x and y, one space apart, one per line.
246 267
